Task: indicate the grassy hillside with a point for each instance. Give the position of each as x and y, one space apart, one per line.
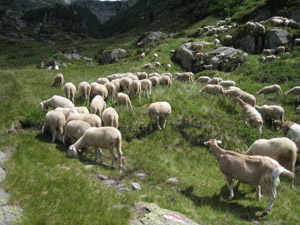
54 189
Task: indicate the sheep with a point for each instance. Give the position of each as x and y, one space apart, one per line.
82 110
165 80
228 38
101 90
260 29
56 101
280 49
260 171
159 110
295 90
153 75
267 51
169 66
116 82
263 59
227 83
155 55
92 119
157 64
74 130
272 112
203 79
102 80
297 41
199 56
146 86
55 120
102 137
198 47
208 67
251 116
93 86
124 99
70 91
270 89
58 80
270 58
142 55
289 129
147 66
217 42
111 90
97 105
141 75
245 96
88 60
154 80
250 26
172 51
135 88
110 117
84 89
213 89
187 76
125 83
67 111
283 150
215 80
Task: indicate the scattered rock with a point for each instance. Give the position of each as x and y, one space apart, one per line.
254 220
10 215
73 56
151 38
135 186
108 182
141 176
87 167
4 197
108 57
276 37
2 174
173 180
102 177
4 156
124 189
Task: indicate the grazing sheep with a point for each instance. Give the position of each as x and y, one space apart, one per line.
159 110
283 150
124 100
110 117
92 119
272 112
157 64
153 75
200 56
217 42
227 83
270 58
165 80
116 82
297 41
270 89
84 89
289 129
70 91
251 115
154 80
58 80
93 86
125 84
203 79
294 91
102 137
101 90
135 88
208 67
280 49
187 76
55 120
245 96
102 80
141 75
198 47
97 105
143 55
82 110
88 60
215 80
169 66
267 52
56 101
74 130
228 39
213 89
155 56
250 26
146 86
172 51
111 90
260 171
66 111
147 66
260 29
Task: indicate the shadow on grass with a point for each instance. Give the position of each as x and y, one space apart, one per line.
220 203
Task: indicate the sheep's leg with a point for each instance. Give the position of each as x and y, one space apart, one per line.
165 121
258 193
112 158
53 135
260 132
97 152
230 187
270 204
151 123
157 122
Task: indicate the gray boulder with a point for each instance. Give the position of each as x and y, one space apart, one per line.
151 38
251 44
276 37
108 57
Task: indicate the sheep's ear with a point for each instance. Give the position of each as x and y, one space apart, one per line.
219 142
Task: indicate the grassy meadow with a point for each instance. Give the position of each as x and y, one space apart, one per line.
54 189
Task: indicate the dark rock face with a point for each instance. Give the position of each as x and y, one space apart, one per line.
108 57
151 38
276 37
251 44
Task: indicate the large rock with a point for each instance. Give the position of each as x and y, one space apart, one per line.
108 57
185 56
251 44
152 214
276 37
151 38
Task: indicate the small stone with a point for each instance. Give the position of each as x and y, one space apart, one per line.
135 186
2 174
87 167
124 189
108 182
4 156
102 177
173 180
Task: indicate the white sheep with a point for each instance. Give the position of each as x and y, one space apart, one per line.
295 91
147 66
165 80
111 90
125 84
289 129
146 86
116 82
159 110
203 79
141 75
272 112
155 55
154 80
172 51
200 56
260 29
110 117
70 91
97 105
198 47
88 60
245 96
102 80
208 67
251 116
58 80
56 101
297 41
270 58
82 110
267 51
228 38
280 49
215 80
102 137
135 89
227 83
169 66
275 88
157 64
124 99
283 150
143 55
84 89
186 76
55 120
213 89
67 111
250 26
74 130
260 171
92 119
153 75
217 42
101 90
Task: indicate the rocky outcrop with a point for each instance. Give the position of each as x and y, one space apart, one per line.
151 38
227 61
276 37
108 57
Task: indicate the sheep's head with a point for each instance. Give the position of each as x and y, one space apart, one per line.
72 152
213 141
276 124
42 105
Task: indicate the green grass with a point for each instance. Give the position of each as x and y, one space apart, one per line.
54 189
